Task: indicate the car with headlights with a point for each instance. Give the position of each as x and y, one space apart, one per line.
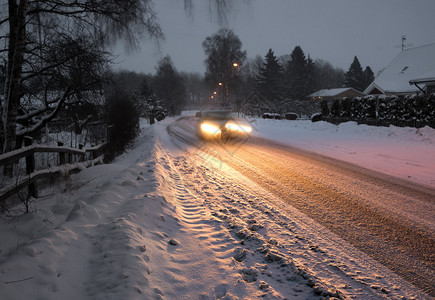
222 125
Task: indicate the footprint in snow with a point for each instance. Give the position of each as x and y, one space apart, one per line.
173 242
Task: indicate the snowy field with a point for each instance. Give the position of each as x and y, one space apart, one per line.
161 223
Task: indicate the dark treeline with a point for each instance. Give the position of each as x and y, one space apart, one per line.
279 84
291 78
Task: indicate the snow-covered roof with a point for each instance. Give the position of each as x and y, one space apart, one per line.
408 65
428 77
333 92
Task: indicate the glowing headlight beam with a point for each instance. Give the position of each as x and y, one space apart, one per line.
210 129
238 127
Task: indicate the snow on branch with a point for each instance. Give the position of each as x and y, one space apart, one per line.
45 119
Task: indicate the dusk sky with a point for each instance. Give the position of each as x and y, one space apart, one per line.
332 30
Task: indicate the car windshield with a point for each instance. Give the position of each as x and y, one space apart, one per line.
216 115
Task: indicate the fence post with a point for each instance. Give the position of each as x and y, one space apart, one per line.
30 167
82 157
61 155
92 153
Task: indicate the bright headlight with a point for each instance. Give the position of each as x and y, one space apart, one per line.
238 127
210 128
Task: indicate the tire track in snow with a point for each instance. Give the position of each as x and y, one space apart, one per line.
340 269
347 209
266 263
262 263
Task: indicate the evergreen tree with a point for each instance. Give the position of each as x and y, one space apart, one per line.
169 86
269 79
310 77
145 90
354 77
369 76
296 74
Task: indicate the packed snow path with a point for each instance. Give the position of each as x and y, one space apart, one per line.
170 221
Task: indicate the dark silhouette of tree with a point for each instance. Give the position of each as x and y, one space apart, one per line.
327 75
354 76
196 89
222 50
369 77
296 74
169 86
311 77
269 81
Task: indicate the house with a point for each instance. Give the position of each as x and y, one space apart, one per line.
425 82
330 94
411 71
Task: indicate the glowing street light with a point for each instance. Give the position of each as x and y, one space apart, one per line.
235 65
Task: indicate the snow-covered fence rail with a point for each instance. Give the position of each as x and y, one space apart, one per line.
86 157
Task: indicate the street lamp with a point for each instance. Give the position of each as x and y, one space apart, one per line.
224 84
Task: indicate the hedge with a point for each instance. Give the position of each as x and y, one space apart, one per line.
415 110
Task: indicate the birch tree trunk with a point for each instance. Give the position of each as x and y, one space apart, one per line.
17 46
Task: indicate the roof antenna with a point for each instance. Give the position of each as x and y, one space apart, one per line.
403 41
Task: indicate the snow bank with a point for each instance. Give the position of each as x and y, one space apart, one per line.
404 152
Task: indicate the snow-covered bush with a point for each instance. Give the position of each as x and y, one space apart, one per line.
415 110
325 108
316 117
336 108
291 116
346 107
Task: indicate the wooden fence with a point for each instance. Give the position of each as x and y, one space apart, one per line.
86 157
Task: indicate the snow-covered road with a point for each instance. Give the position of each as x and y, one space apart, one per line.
168 221
386 217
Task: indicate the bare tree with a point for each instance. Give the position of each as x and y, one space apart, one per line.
60 45
327 75
224 56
